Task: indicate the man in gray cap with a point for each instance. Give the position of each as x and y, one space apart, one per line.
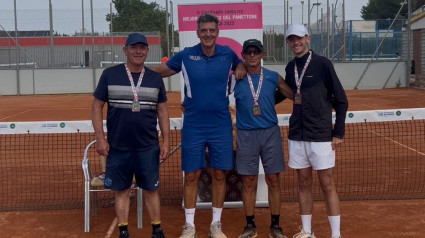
136 97
312 139
258 136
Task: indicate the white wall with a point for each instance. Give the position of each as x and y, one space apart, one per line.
8 82
62 81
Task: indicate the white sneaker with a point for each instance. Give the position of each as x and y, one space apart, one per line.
336 236
303 234
188 231
215 231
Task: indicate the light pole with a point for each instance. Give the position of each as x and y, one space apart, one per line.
317 14
112 37
82 32
52 56
92 46
172 28
311 10
167 30
302 12
290 8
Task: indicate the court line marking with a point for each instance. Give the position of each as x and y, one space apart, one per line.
41 109
398 143
19 113
112 227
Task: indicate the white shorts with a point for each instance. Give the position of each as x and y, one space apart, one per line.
305 154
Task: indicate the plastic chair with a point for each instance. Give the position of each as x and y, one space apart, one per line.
92 185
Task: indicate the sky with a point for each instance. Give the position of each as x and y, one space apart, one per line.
67 15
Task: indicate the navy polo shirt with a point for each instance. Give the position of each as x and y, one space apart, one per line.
206 78
129 130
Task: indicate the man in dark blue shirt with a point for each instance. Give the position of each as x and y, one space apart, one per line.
136 98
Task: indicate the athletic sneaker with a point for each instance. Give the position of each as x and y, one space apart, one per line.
215 231
276 232
248 232
303 234
124 234
188 231
157 233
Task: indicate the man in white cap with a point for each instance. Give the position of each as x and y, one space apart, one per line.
312 138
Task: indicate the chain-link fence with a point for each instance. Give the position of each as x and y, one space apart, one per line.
48 37
63 38
39 51
338 38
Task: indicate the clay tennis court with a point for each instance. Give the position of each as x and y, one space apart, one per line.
372 218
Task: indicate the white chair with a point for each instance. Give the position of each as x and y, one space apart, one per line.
93 184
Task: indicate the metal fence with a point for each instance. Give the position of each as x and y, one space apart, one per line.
37 49
332 35
339 39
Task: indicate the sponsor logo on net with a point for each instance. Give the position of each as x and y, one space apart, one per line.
389 113
49 125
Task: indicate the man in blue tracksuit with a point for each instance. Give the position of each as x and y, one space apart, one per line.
207 122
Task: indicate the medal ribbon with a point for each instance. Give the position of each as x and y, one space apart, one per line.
298 80
255 95
135 89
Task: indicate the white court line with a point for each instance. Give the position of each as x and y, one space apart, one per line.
4 118
398 143
46 109
111 228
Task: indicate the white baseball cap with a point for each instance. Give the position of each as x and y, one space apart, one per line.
298 30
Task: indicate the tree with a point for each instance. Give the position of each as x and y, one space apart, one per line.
138 16
382 9
417 4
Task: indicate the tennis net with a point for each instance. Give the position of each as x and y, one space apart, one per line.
382 157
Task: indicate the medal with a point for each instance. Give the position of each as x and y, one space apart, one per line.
135 106
256 110
297 98
299 79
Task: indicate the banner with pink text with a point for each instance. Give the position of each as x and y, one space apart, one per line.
237 22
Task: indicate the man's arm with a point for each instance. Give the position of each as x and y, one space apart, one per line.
102 146
163 70
240 71
339 101
284 89
164 126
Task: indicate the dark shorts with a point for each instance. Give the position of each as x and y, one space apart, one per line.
264 143
218 140
122 165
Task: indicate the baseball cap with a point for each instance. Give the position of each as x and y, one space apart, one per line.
298 30
252 42
135 38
